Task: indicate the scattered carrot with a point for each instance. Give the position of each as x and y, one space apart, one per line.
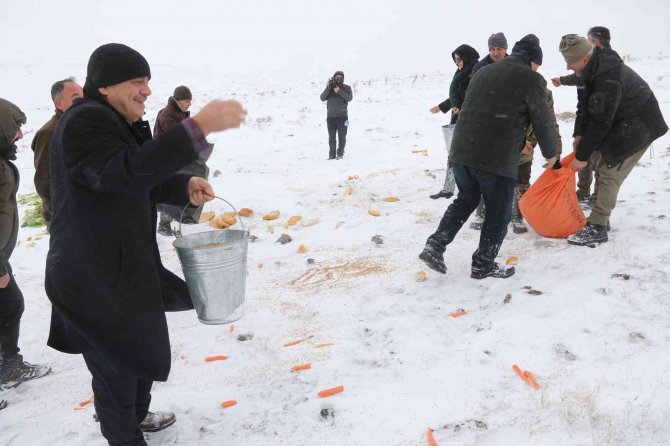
531 380
519 372
512 260
297 368
324 345
231 328
216 358
374 212
292 343
332 391
458 313
431 438
390 199
227 404
85 403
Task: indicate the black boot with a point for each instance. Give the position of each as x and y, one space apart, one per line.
433 260
3 404
590 235
442 194
496 270
16 371
164 228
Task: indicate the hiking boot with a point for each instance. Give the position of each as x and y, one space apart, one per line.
433 260
496 270
518 225
585 200
339 157
164 228
157 421
3 404
331 158
589 235
18 371
442 194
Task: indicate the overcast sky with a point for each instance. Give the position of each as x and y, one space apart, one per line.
307 40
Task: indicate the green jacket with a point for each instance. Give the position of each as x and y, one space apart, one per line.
530 134
503 99
11 118
40 146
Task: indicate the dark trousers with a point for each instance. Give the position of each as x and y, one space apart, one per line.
121 402
337 126
11 309
497 192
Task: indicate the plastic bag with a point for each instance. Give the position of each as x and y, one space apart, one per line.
550 205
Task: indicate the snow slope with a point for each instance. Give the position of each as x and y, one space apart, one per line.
597 344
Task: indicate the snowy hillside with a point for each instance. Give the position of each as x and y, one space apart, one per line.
597 343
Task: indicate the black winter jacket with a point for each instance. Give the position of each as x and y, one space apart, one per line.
618 113
104 275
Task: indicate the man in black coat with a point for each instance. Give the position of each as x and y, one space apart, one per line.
337 95
502 100
104 275
618 117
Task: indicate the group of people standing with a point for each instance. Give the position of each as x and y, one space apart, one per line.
105 173
502 109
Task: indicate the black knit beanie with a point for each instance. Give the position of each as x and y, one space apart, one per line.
530 45
114 63
601 34
182 92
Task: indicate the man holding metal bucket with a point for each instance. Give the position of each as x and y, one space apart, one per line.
104 275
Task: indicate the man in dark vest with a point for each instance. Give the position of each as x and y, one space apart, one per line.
502 100
63 93
104 277
13 369
176 111
618 117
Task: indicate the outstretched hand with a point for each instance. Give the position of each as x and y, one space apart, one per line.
199 191
218 115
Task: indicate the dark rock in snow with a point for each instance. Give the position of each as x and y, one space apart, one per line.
623 276
245 337
378 239
284 239
507 299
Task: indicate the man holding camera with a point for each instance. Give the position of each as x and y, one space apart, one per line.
337 94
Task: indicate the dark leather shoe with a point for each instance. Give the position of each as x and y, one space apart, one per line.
434 261
497 270
442 194
157 421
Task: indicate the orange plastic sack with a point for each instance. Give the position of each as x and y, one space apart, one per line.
550 205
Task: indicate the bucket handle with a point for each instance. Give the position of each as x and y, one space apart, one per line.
181 215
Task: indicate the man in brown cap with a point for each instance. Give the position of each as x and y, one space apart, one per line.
176 111
618 117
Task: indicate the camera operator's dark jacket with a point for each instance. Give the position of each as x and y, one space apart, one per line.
337 102
104 274
618 113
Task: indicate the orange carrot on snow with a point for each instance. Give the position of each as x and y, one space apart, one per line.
530 379
520 373
85 403
458 313
332 391
227 404
323 345
431 438
216 358
232 328
292 343
297 368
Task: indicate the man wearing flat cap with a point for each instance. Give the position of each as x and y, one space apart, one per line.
104 277
502 100
618 117
176 111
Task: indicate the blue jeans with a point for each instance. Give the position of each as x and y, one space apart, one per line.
497 192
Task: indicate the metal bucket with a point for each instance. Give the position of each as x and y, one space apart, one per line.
215 269
448 131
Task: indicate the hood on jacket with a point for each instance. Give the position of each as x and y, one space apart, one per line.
11 119
467 53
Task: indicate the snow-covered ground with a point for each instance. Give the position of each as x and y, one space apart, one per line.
597 344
